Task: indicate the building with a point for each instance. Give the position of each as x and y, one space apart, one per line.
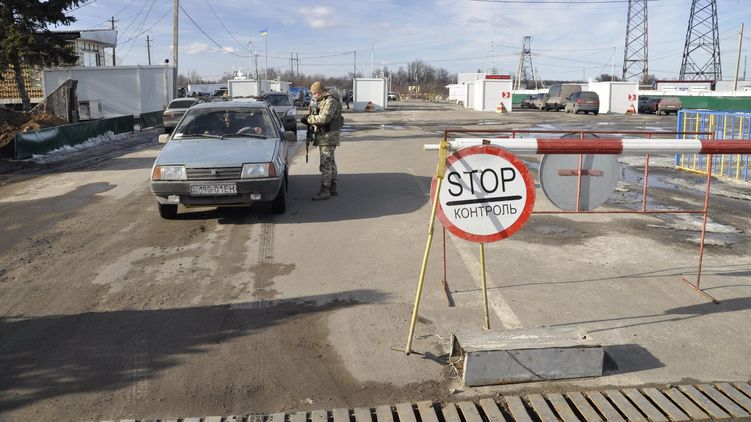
90 47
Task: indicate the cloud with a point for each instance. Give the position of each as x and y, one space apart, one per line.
319 16
196 48
473 20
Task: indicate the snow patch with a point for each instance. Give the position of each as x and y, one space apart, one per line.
65 151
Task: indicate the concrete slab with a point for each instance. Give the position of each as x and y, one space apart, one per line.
526 355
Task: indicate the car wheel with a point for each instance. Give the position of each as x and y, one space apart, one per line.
167 211
279 205
595 112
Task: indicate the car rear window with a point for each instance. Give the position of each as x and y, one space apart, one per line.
589 95
181 103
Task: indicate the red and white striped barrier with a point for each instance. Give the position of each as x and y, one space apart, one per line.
615 146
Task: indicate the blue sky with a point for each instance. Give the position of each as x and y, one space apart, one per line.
569 41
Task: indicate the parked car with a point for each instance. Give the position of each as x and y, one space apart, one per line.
283 106
555 99
648 105
175 110
583 101
221 92
528 101
669 105
230 153
392 96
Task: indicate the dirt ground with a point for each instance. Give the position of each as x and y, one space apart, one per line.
14 121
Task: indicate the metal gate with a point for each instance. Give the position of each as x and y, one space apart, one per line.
721 125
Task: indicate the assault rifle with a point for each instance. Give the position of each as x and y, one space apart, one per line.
309 135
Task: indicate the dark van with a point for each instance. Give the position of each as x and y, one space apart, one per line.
557 94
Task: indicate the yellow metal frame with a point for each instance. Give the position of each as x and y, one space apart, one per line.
727 161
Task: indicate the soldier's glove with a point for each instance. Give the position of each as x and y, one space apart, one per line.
304 120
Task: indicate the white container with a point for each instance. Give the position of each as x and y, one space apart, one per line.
470 103
369 90
490 93
279 86
463 78
122 90
239 88
616 97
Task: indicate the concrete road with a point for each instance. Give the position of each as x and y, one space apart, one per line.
108 312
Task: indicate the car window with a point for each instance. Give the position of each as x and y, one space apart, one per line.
277 100
589 95
226 121
182 103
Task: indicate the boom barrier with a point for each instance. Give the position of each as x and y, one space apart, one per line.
642 143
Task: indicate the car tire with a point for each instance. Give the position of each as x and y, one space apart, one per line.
279 204
595 112
167 211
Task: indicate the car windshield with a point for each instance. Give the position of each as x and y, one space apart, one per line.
277 100
182 103
225 122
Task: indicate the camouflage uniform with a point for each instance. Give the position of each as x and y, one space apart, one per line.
329 108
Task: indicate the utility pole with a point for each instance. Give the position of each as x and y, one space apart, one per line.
745 61
371 59
113 47
148 49
354 66
298 64
738 60
250 58
175 21
525 70
492 54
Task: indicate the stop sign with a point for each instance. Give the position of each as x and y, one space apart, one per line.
487 194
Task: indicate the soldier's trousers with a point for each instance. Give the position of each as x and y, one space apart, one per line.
328 165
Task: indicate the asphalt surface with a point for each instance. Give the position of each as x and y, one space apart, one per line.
109 312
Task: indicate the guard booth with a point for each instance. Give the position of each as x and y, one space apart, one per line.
616 97
492 93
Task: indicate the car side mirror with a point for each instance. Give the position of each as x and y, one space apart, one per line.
163 138
290 136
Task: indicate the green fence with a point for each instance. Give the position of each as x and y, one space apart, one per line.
695 102
152 119
38 142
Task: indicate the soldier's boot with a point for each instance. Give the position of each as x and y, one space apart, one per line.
333 189
325 193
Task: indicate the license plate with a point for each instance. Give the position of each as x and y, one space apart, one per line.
214 189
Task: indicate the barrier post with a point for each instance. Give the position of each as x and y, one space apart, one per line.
484 286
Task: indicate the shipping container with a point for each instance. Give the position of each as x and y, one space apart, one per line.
121 90
369 90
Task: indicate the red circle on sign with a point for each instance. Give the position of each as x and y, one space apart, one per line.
528 204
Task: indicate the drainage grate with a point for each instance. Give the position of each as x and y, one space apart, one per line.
715 401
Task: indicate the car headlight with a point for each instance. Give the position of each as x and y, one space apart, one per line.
257 170
291 112
169 173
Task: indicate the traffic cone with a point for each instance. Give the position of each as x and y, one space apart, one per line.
501 108
631 109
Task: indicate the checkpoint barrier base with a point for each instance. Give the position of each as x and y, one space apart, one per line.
524 355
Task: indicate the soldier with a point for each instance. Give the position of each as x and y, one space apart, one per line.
327 122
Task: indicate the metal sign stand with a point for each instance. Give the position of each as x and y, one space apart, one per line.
439 173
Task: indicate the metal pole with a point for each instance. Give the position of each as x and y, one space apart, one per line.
423 267
266 64
113 47
371 59
354 66
148 49
250 59
442 154
484 286
175 21
738 60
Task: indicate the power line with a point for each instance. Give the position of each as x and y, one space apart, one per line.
83 5
225 28
209 36
147 29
